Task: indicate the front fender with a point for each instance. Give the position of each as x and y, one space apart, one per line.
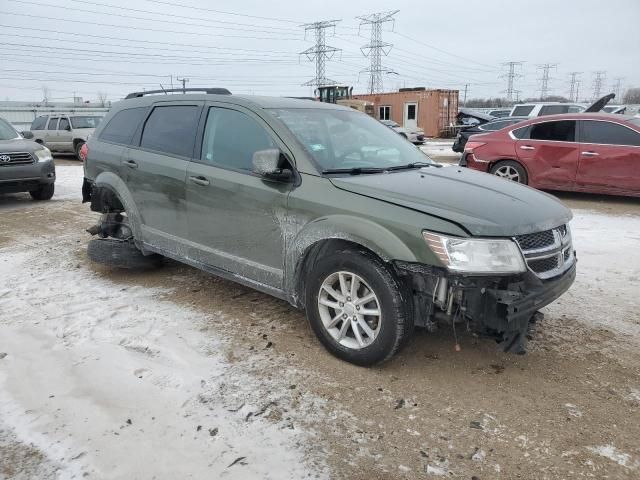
367 233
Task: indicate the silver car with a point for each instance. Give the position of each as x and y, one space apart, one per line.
64 133
25 166
415 136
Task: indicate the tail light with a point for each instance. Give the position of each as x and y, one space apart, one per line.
470 146
84 150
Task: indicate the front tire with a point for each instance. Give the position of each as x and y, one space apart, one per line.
355 306
44 192
510 170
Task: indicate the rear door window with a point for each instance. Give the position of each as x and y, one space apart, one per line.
171 129
560 131
39 123
123 125
608 133
64 124
53 123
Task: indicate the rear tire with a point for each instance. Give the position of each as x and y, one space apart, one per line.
77 148
510 170
120 254
346 331
44 192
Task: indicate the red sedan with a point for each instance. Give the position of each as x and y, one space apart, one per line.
583 152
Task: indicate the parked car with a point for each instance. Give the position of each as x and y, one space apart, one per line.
586 152
463 135
415 136
617 109
64 133
544 108
25 166
324 207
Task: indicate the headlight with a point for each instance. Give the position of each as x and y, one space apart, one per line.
44 154
471 255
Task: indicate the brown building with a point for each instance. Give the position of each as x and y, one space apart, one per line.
431 110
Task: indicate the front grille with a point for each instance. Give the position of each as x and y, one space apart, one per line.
534 241
15 158
548 253
543 265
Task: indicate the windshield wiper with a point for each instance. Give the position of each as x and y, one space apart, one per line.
414 165
354 171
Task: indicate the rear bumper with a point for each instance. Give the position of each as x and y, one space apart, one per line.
470 161
24 178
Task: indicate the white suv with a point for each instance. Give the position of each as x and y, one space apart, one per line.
64 133
544 108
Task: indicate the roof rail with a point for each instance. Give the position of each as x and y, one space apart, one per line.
214 91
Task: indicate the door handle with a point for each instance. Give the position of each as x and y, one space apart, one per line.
590 154
527 147
131 164
199 180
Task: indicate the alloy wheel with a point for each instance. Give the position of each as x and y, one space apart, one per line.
508 172
349 309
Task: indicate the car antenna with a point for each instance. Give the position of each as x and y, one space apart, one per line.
165 92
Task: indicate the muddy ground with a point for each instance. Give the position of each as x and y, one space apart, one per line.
570 408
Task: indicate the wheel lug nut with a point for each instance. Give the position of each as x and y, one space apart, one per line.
344 315
355 318
358 307
341 304
348 299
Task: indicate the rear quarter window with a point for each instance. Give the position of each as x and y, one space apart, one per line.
522 110
123 125
521 133
39 123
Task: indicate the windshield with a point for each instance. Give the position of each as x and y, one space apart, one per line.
7 132
343 139
85 122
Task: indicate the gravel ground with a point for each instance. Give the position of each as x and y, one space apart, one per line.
173 373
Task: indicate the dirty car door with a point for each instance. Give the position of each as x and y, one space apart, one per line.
550 154
155 169
235 217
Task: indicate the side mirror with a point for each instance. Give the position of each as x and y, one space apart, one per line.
68 128
271 164
27 134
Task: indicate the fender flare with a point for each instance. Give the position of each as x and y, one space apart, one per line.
370 235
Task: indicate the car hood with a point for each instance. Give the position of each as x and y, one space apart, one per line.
483 204
19 145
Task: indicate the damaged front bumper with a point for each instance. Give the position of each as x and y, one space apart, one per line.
500 307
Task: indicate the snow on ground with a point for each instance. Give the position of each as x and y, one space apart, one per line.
115 382
608 269
440 149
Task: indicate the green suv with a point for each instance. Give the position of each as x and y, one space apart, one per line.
328 209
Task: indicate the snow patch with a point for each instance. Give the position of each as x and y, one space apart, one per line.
612 453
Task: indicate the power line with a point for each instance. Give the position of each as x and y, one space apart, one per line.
376 47
320 52
598 83
165 31
511 76
544 80
574 86
134 17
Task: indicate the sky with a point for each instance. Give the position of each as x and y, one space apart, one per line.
109 48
